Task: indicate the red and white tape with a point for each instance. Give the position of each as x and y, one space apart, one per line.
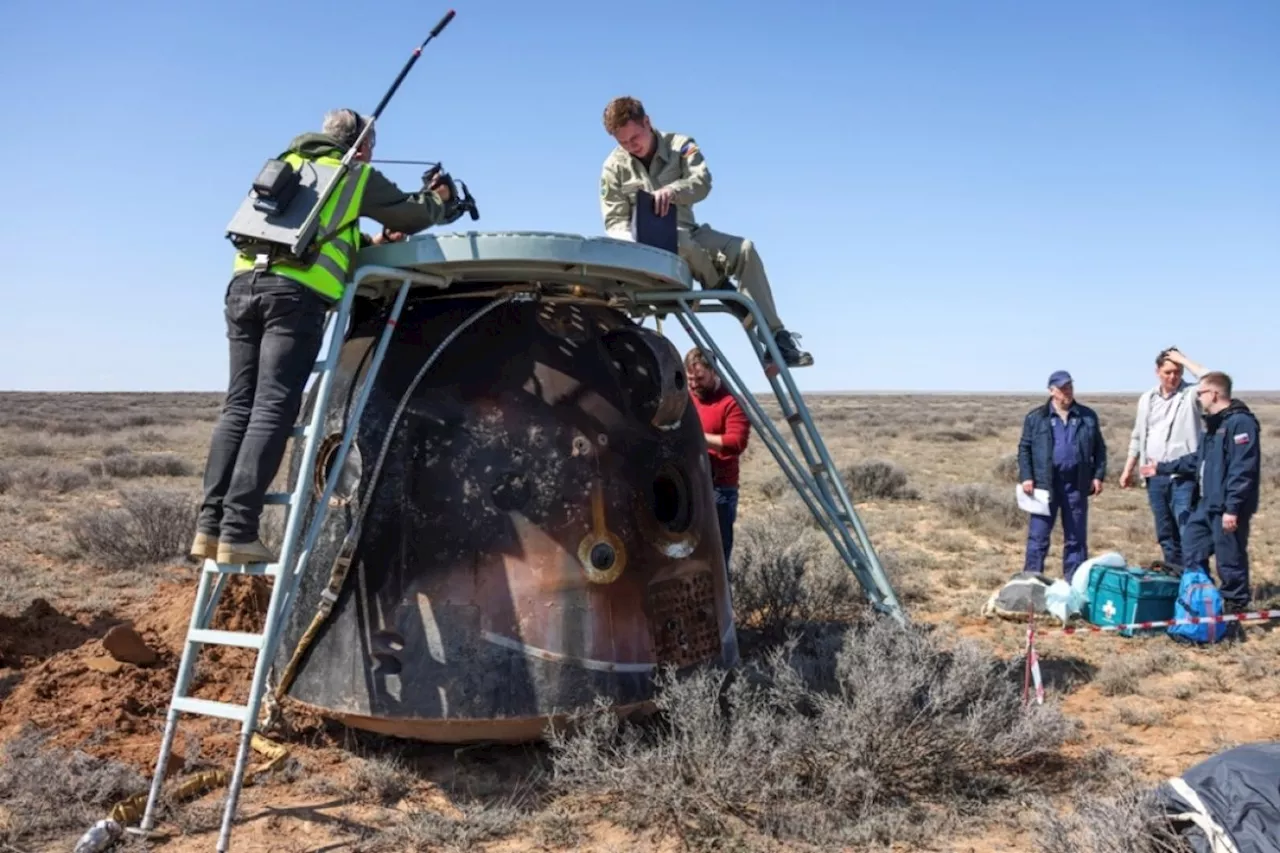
1256 616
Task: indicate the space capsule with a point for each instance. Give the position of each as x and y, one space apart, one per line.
542 529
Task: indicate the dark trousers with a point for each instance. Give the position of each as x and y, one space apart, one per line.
1170 501
1064 497
1204 537
275 328
727 513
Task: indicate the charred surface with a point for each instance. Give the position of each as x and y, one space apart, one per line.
543 530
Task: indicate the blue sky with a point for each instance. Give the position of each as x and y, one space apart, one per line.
947 195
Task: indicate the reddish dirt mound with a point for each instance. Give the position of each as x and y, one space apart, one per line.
70 686
41 632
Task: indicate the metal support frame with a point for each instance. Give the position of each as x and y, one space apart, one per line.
293 554
817 481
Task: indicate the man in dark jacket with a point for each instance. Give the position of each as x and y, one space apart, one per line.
1062 452
1229 463
275 328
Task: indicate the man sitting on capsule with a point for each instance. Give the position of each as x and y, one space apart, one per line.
670 166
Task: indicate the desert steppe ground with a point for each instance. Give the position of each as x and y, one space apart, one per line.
852 736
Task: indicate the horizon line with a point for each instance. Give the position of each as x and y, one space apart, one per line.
767 392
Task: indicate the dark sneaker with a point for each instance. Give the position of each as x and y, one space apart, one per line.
791 353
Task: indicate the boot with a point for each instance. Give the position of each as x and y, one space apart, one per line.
240 553
791 353
1236 630
205 546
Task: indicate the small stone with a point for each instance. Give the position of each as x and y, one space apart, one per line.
107 665
124 644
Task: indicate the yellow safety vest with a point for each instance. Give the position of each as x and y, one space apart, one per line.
328 274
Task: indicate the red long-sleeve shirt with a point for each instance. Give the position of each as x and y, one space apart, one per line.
721 415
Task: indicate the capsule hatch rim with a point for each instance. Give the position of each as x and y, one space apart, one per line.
607 267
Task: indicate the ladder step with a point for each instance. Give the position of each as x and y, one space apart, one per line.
226 638
278 499
301 431
318 367
225 710
269 569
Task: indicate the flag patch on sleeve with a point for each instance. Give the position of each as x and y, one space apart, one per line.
1241 438
689 149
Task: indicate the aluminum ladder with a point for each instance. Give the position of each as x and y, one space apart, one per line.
294 552
817 481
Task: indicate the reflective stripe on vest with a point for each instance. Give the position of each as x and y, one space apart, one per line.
328 274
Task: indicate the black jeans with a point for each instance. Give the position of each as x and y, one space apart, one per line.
275 328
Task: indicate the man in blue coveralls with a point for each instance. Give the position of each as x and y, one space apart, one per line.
1228 465
1061 451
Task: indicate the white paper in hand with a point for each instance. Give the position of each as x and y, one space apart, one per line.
1037 502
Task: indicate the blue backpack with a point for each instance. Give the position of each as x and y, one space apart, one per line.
1197 596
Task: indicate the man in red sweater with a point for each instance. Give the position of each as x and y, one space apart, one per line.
726 429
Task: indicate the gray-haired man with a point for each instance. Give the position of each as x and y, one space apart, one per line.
275 324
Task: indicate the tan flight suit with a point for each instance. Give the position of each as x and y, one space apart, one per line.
710 254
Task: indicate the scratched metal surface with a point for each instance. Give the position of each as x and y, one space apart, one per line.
481 601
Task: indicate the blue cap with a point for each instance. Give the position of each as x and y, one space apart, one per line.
1059 378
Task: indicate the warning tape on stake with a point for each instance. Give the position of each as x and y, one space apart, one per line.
1256 616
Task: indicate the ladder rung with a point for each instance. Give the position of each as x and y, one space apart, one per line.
226 638
268 569
225 710
300 431
318 367
794 418
278 498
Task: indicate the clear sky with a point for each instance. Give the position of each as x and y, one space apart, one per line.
947 195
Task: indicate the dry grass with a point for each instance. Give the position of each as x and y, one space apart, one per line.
839 737
47 792
835 731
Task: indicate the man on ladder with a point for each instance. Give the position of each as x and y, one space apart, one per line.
275 325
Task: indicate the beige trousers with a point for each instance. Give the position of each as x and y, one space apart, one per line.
712 254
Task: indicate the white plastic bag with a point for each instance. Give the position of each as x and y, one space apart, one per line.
1065 600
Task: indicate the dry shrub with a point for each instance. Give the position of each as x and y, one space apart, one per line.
430 830
979 504
1271 470
1005 470
908 575
46 476
31 447
780 577
128 465
48 792
382 779
1132 822
1120 675
150 526
876 479
877 735
6 479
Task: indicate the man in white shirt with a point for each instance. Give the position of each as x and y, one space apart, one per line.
1168 425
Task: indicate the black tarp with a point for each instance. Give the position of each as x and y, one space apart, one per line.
1240 790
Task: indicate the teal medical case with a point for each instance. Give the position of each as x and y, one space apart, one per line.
1132 594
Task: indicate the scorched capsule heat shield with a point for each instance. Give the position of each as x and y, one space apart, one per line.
543 530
